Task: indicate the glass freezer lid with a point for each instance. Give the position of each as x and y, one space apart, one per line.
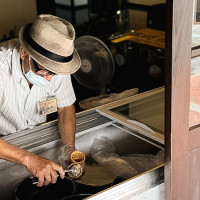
145 112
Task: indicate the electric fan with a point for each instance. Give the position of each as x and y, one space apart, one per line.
97 64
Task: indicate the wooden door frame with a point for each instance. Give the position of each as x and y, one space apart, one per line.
178 66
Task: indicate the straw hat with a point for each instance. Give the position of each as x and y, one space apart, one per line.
50 41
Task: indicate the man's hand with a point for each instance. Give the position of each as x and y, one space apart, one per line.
65 158
44 170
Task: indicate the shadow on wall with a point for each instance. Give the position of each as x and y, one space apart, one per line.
12 34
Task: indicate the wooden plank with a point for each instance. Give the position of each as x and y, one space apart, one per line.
168 50
177 119
194 175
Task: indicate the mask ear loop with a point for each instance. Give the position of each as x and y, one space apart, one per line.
23 64
29 61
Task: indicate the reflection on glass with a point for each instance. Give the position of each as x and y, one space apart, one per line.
197 11
194 117
149 111
196 25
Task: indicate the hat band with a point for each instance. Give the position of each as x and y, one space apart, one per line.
44 51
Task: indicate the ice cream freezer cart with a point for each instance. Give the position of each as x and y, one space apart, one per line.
123 141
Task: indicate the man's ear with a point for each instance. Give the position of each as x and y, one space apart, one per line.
23 53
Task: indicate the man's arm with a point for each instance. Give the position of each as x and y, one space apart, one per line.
67 125
38 166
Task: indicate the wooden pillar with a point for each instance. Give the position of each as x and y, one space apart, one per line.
178 65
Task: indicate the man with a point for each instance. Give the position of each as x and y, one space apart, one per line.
33 71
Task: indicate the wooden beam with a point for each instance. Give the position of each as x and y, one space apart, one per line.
178 59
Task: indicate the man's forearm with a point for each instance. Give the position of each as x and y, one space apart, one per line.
13 153
67 125
38 166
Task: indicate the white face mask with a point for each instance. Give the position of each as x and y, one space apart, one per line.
33 78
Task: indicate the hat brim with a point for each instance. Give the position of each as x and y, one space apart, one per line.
54 66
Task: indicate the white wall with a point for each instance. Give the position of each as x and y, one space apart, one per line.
15 13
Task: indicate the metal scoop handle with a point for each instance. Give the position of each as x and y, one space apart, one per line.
35 179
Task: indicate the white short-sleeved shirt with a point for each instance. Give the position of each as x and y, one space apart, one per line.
18 103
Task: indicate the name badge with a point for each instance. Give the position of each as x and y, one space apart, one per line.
47 106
